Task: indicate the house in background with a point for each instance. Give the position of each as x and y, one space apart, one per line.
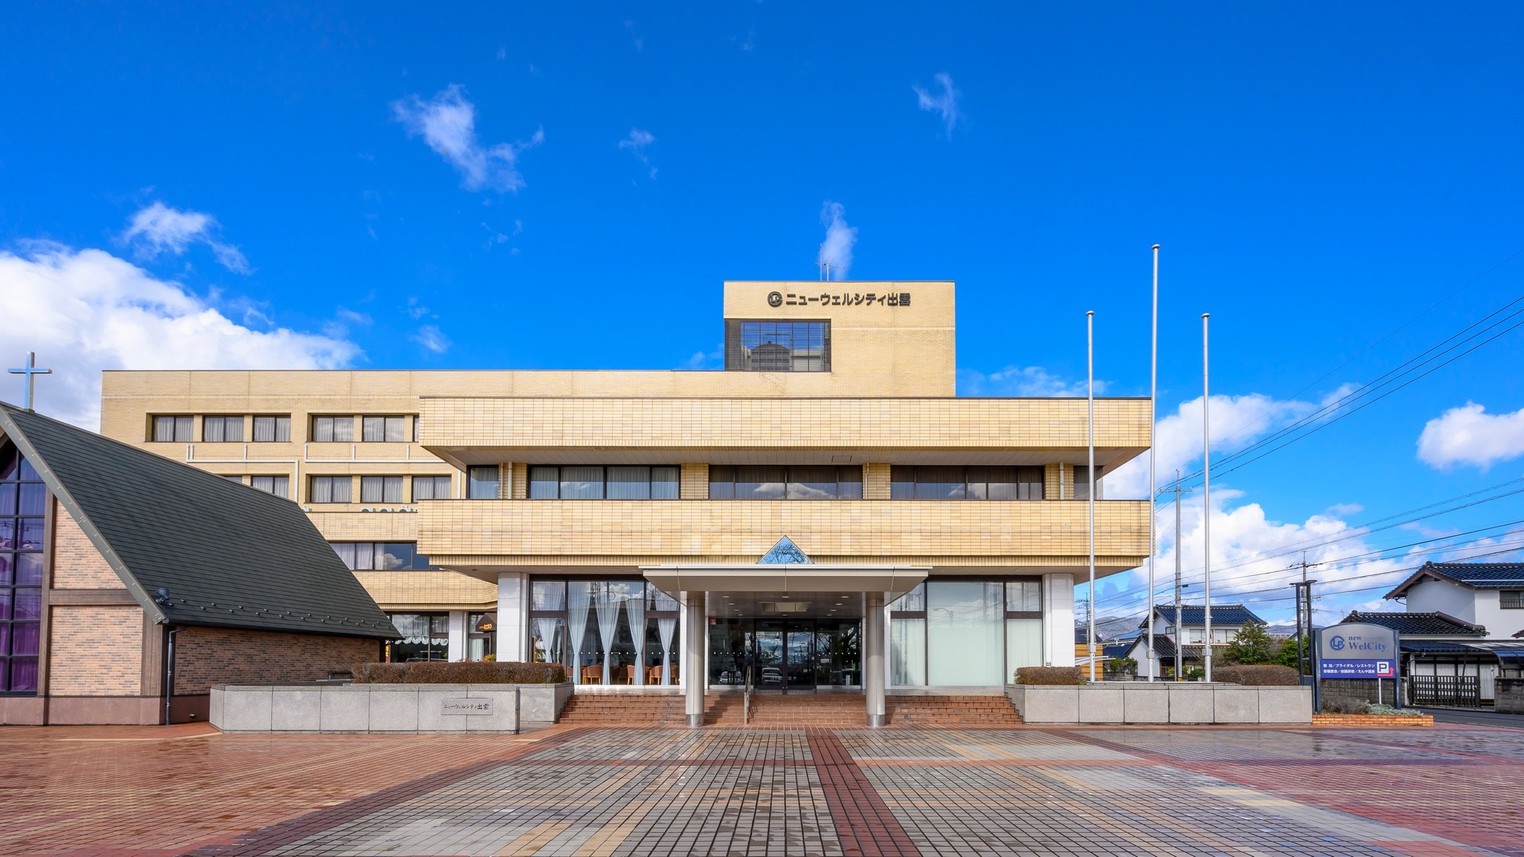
1190 636
130 584
1489 594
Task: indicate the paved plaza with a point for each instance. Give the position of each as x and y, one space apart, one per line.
594 791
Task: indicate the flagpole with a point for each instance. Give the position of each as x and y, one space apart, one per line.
1090 474
1153 491
1206 496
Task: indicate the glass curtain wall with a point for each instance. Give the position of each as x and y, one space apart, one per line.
23 510
605 631
965 632
425 637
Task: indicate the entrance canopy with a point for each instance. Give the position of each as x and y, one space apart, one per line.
787 578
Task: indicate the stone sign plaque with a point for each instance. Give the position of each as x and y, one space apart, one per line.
467 705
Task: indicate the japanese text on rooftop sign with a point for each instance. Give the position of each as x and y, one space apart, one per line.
776 299
1357 650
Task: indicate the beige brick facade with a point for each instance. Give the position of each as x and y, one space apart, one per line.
95 651
77 564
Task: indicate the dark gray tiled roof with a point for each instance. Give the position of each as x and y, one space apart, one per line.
229 556
1192 615
1420 624
1473 575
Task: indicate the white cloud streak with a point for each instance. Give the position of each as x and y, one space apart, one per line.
1022 381
636 144
943 102
431 338
159 229
447 123
87 310
1470 435
836 249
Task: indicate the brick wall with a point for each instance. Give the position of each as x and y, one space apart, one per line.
95 651
76 562
208 656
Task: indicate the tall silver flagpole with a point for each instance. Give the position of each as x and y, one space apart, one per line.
1153 491
1206 494
1090 395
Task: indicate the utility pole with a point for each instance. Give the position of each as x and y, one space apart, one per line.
1179 589
1303 603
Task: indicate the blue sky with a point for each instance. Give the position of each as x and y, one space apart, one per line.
565 186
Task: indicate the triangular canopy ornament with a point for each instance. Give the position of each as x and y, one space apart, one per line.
785 552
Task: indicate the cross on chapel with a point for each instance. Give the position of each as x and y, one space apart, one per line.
31 372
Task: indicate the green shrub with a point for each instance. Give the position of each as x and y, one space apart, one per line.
1400 712
1048 675
1257 675
1194 674
464 672
1345 705
1122 665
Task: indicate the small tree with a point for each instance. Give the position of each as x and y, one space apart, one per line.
1252 645
1287 656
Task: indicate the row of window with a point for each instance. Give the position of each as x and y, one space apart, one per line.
376 489
181 428
382 556
777 346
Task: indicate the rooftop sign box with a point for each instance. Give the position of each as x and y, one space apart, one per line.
1357 650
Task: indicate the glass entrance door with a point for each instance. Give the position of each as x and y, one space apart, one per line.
785 655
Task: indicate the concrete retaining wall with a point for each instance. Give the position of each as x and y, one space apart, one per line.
1161 702
387 707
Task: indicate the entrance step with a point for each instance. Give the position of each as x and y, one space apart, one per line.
959 712
806 710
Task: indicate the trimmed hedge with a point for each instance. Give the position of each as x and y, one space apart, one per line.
463 672
1257 675
1345 705
1048 675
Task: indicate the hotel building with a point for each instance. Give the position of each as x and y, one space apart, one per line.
823 513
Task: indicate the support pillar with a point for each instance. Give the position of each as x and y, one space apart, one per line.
873 651
694 672
512 617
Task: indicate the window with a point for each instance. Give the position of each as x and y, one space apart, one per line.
482 482
23 505
593 482
965 483
280 486
777 346
385 429
1511 599
779 482
425 637
431 488
481 635
222 429
382 556
331 489
272 429
173 429
1082 483
605 631
333 429
380 489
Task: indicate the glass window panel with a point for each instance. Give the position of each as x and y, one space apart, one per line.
28 604
907 652
759 482
394 556
272 429
850 483
23 675
629 483
346 552
372 429
7 534
1023 645
431 488
7 568
8 462
5 639
722 479
34 499
1023 596
6 593
8 498
547 595
811 483
25 638
664 483
1082 483
28 569
482 482
913 601
29 534
28 473
965 633
939 483
396 430
581 482
544 482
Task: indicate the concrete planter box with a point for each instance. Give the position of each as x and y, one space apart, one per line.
387 707
1161 702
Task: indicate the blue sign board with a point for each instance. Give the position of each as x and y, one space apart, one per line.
1357 650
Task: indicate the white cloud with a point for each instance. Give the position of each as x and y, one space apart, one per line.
159 229
836 249
944 102
636 145
1022 381
87 310
1470 435
430 337
447 123
707 359
635 39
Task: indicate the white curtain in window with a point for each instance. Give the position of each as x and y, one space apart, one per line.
554 598
578 597
635 608
607 606
665 627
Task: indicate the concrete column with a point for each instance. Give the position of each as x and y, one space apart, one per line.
1058 620
873 655
694 645
457 649
513 616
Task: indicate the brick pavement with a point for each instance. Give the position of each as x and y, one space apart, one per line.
594 791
